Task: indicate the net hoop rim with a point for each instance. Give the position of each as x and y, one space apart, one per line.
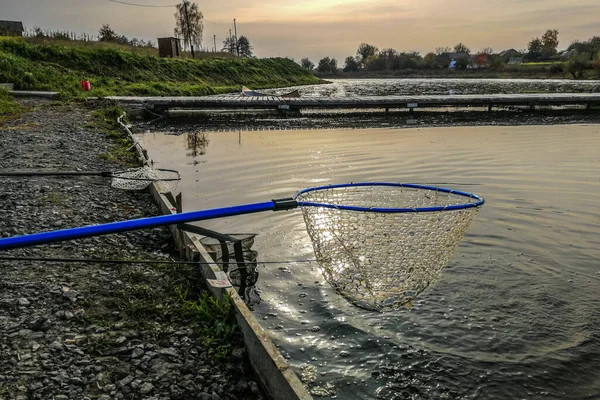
479 203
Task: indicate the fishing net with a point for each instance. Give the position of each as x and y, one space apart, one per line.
382 259
140 178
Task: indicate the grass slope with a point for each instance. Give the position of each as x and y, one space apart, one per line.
8 107
112 71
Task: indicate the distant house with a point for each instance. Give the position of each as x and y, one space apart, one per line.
458 56
506 55
567 53
11 28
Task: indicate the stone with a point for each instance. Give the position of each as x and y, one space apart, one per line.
146 388
136 383
137 352
253 387
23 301
126 381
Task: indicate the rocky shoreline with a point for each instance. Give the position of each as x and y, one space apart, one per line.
90 330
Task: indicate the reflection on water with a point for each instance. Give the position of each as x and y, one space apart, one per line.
514 315
197 143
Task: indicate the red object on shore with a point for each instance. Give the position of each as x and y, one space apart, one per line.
86 86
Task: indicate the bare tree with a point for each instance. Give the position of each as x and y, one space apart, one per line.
442 50
189 24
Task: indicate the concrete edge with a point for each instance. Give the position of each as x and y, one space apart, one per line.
273 371
31 93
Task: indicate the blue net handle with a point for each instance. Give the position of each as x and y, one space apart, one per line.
274 205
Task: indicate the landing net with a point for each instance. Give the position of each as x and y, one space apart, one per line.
380 245
141 178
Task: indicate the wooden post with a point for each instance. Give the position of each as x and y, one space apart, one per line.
179 204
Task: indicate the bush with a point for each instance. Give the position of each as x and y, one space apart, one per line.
596 63
557 68
497 63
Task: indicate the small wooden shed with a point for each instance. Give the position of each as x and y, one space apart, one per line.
169 47
11 28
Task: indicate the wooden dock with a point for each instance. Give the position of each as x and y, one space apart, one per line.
363 102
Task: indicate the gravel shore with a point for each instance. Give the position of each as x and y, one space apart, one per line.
93 331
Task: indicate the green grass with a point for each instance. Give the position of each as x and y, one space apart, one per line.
111 71
8 107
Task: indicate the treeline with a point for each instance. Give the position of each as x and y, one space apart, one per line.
105 34
579 57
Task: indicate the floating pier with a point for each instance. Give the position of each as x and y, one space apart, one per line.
241 102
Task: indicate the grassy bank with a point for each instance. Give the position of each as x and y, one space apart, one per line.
112 71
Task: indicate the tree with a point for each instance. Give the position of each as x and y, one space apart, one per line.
189 24
122 39
307 64
591 46
442 50
461 48
229 45
549 42
389 58
577 64
244 47
327 64
487 50
365 51
463 63
497 63
107 34
481 60
534 49
333 65
351 65
430 61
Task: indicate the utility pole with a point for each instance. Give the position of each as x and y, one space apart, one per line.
215 40
187 19
237 47
231 49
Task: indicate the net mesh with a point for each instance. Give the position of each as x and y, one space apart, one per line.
141 178
381 261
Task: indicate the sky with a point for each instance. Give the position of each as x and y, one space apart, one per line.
334 28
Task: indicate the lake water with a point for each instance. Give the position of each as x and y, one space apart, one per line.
514 315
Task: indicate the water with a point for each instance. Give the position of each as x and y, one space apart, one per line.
383 87
514 315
